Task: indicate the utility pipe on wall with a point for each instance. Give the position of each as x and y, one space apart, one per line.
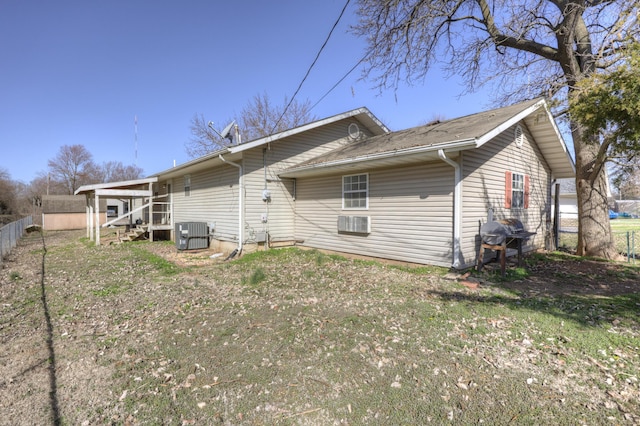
556 215
457 209
240 202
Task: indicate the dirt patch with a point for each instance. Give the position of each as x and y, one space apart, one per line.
188 258
563 274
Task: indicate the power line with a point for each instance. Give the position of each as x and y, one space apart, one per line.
310 67
339 81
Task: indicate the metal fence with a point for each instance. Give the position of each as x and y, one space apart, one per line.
627 243
11 233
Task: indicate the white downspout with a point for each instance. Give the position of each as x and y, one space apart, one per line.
240 202
457 209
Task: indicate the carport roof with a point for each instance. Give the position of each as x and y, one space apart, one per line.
124 187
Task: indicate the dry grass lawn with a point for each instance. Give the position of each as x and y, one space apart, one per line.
138 334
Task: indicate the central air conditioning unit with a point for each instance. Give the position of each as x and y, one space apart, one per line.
354 224
192 235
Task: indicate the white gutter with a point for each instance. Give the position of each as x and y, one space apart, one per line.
457 209
240 202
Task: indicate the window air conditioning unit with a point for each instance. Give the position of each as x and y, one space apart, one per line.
192 235
354 224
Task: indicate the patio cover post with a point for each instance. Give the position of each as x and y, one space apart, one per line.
91 235
87 214
150 211
97 207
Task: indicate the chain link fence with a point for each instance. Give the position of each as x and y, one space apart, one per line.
11 233
626 235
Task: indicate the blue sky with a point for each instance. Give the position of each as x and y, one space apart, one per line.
78 72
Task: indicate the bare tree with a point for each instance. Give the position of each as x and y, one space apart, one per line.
73 167
260 117
43 184
14 198
203 138
115 171
526 48
7 193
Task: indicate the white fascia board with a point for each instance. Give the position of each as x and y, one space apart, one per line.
310 126
513 120
125 193
522 115
89 188
193 162
563 144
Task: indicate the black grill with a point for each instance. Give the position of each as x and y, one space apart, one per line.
500 235
496 232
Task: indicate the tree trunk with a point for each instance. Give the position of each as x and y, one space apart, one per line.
594 229
578 61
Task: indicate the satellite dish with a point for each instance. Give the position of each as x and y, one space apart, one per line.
227 130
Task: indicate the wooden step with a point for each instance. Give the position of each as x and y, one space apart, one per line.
133 235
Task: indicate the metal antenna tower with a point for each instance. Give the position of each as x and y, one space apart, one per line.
135 125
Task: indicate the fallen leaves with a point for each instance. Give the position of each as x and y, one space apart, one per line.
318 340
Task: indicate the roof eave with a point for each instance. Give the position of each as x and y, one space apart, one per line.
563 144
191 163
510 122
89 188
359 112
375 125
326 166
565 171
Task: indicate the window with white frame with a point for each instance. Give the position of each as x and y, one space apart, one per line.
516 190
187 185
355 191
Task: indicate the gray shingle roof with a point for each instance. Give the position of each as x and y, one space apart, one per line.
469 127
63 204
67 204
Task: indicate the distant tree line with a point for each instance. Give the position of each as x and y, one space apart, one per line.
74 165
71 168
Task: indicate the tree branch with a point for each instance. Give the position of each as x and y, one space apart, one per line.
501 39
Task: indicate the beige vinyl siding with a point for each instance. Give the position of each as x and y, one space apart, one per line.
215 193
278 156
279 211
484 187
213 198
411 214
298 148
